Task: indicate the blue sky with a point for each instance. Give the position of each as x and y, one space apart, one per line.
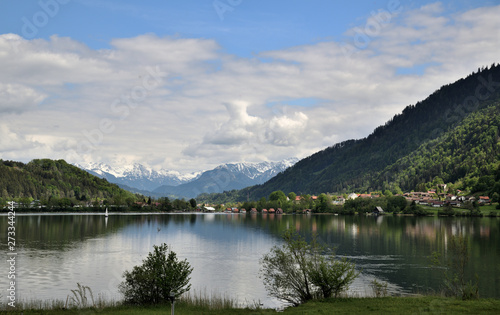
238 80
246 27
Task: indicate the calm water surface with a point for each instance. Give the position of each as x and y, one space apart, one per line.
55 252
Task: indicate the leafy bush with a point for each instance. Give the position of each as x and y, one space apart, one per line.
415 209
379 288
160 274
447 211
297 271
455 281
331 276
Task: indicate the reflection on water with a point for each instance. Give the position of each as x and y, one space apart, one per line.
57 251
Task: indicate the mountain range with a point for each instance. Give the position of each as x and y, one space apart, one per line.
147 181
451 136
137 176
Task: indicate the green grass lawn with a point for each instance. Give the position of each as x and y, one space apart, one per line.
387 305
485 210
399 305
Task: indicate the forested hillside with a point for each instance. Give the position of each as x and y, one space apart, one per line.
48 180
468 155
367 164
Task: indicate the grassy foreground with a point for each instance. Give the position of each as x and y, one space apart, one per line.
387 305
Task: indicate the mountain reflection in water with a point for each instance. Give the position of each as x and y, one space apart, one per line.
57 251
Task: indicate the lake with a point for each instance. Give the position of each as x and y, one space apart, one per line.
55 252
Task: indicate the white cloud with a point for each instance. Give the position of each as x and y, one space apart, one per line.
287 131
63 99
12 143
249 135
17 98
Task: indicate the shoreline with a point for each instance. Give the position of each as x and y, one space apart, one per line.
128 212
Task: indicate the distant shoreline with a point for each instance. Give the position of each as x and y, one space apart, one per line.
113 211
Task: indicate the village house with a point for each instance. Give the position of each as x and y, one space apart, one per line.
378 211
14 204
340 201
352 196
436 204
417 194
455 203
209 209
426 201
484 200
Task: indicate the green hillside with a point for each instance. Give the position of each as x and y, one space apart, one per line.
55 183
394 157
467 154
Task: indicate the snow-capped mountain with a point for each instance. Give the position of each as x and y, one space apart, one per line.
261 172
227 177
139 178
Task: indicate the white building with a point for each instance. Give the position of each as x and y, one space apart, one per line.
352 196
